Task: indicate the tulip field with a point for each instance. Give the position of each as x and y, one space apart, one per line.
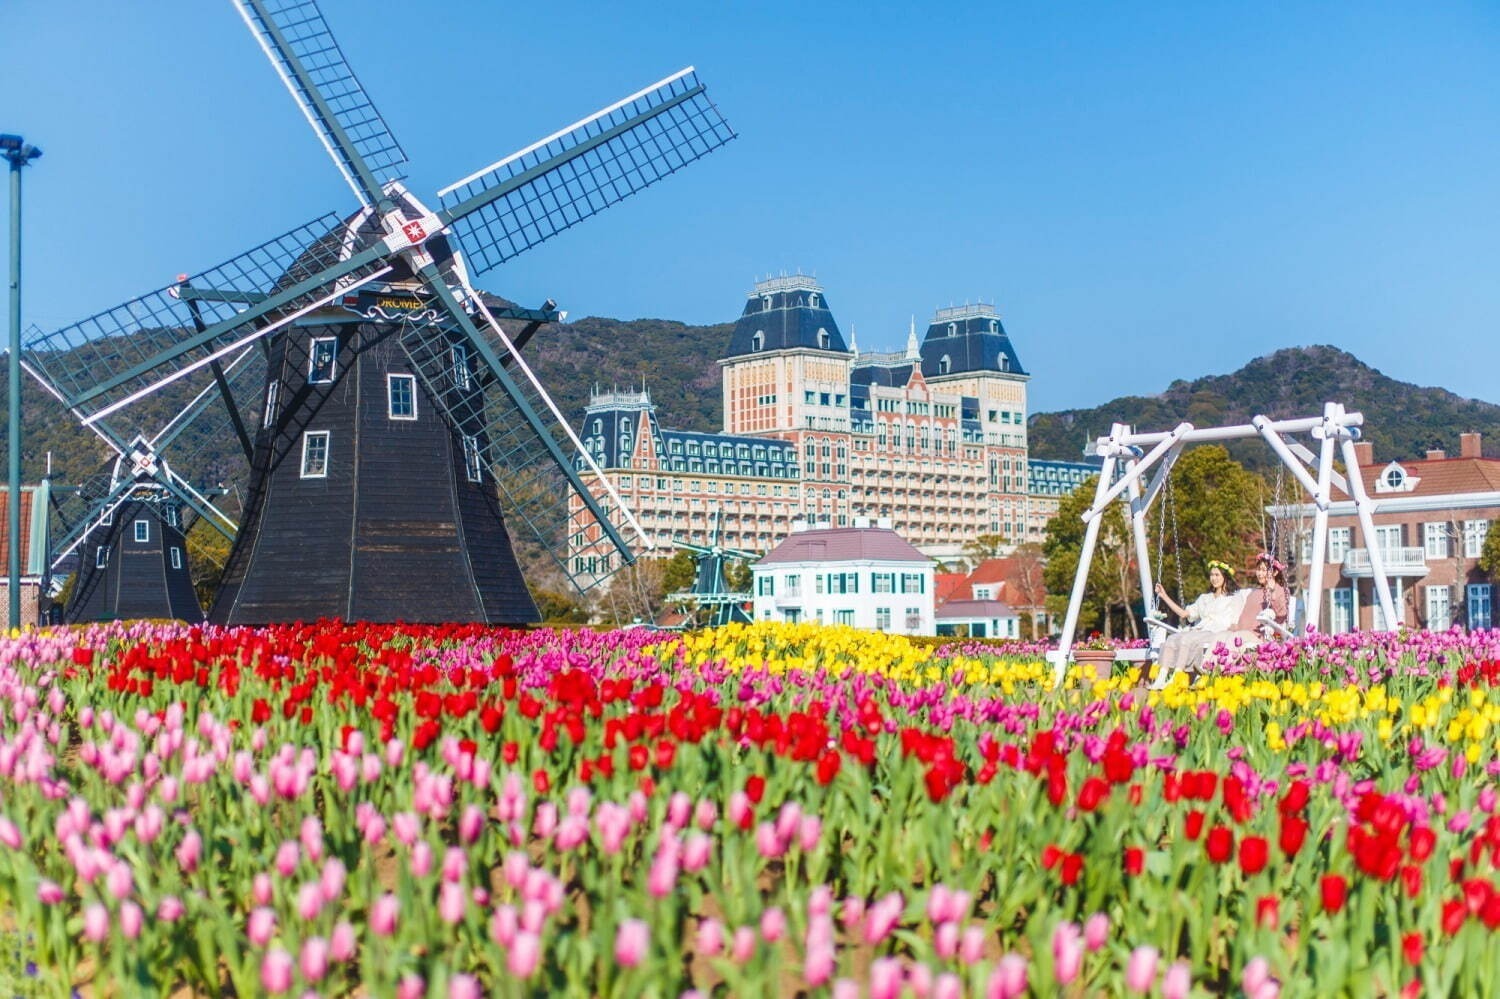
377 810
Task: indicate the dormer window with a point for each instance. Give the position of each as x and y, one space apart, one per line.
598 426
994 326
758 341
953 329
1004 362
945 364
812 300
823 339
1394 479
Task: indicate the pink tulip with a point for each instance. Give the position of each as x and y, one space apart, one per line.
276 971
662 877
679 809
515 868
846 988
341 945
545 823
411 986
948 986
1008 980
260 926
742 947
451 902
49 892
260 888
945 941
706 814
772 925
455 864
384 914
809 832
470 824
309 900
331 882
1178 981
1067 952
1140 971
170 909
709 940
695 852
130 920
631 941
421 858
971 945
1257 972
504 925
525 953
1096 931
919 980
464 987
767 843
820 902
10 835
883 917
787 821
95 922
852 913
739 807
314 961
287 856
817 967
885 978
406 826
118 880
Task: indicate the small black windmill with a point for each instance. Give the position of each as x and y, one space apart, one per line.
711 603
397 418
125 526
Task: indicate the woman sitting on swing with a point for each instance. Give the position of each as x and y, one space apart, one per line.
1216 611
1271 594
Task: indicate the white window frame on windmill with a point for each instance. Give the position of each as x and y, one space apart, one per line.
101 556
462 376
473 466
273 397
409 410
316 374
143 532
177 558
319 471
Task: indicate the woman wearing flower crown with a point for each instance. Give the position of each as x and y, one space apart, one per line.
1270 594
1218 610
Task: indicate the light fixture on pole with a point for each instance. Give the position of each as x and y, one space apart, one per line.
18 153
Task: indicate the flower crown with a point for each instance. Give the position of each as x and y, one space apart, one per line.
1223 567
1271 561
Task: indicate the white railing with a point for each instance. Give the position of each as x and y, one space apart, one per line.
1397 561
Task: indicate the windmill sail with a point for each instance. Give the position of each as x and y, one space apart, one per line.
537 192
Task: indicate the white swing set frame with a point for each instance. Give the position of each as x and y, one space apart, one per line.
1124 449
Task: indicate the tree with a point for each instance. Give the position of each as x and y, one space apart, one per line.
1110 585
1489 553
207 552
985 546
738 576
681 569
1218 515
1028 566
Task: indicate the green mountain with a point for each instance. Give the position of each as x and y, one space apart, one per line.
1402 420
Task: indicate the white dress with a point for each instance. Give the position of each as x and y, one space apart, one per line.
1209 616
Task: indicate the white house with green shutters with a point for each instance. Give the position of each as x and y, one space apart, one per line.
863 576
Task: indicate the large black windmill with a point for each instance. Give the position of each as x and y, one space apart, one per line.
711 603
398 418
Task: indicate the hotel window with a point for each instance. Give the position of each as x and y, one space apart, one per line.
315 454
1435 535
273 392
142 531
322 360
1439 608
882 619
945 364
757 341
177 558
1474 534
473 465
1338 544
401 396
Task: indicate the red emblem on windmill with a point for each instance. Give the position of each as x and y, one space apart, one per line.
414 231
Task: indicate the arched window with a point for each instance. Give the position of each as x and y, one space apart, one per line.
1004 362
598 426
953 329
758 341
813 300
625 425
823 339
945 364
994 326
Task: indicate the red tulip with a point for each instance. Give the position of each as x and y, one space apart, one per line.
1192 826
1422 840
1411 947
1220 844
1253 853
1454 915
1293 834
1268 912
1335 891
1135 860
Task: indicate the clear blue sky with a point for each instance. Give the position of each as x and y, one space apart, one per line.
1149 191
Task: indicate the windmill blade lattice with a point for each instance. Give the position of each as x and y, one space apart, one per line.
308 59
507 423
103 363
535 193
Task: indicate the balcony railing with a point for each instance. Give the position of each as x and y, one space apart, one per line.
1397 562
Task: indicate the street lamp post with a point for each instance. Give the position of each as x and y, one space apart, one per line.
18 153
